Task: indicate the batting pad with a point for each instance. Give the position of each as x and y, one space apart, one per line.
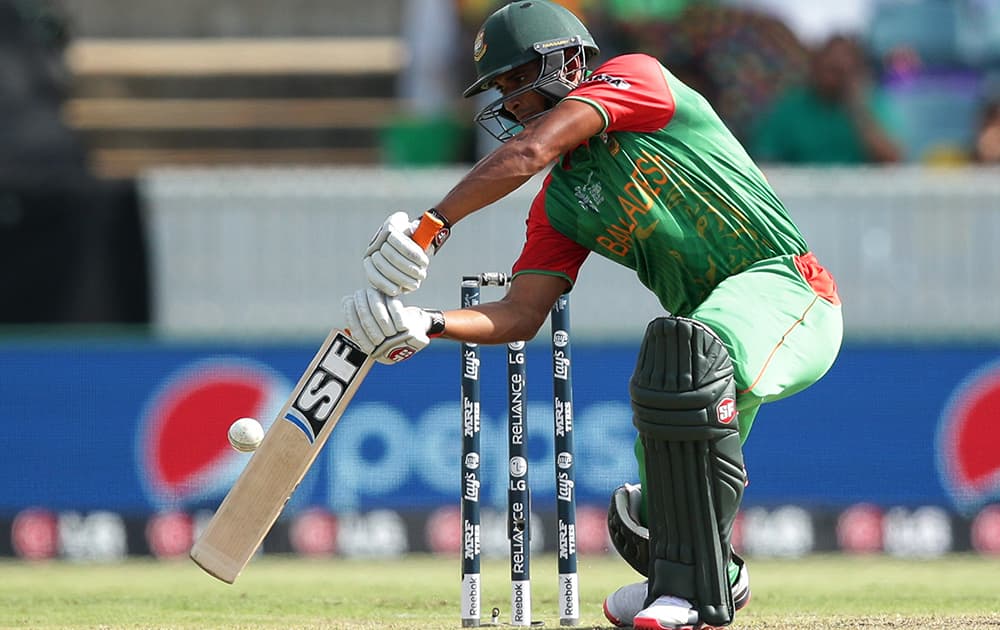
684 406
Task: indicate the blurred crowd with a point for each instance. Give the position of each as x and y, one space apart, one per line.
859 81
855 81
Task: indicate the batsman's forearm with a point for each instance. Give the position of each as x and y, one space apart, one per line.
494 177
543 141
491 323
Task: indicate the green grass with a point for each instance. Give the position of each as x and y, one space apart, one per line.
821 592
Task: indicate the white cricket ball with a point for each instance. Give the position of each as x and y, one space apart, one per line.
245 435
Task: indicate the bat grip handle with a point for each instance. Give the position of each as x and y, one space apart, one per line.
430 231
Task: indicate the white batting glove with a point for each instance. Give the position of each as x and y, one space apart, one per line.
385 327
393 262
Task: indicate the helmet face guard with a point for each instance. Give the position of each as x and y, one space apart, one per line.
523 32
560 71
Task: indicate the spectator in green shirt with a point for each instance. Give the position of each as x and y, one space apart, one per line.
838 117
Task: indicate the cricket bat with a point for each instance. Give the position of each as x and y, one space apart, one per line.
289 449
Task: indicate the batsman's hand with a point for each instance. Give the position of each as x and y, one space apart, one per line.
384 326
393 262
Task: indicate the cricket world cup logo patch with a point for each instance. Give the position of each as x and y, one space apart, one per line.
967 455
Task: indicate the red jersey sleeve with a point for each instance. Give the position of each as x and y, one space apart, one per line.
546 250
631 92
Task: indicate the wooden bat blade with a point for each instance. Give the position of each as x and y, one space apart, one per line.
276 468
291 445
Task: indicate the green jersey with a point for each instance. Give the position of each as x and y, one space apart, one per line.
665 190
804 128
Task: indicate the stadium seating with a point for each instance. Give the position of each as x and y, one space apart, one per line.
311 83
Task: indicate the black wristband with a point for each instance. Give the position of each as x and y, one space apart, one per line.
437 323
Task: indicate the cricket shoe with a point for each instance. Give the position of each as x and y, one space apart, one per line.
667 613
623 607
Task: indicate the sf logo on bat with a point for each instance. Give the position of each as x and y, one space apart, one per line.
325 387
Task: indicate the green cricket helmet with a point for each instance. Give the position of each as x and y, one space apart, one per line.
522 32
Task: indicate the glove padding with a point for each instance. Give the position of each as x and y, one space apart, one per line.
393 262
384 327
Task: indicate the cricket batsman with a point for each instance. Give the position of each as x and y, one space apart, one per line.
644 173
